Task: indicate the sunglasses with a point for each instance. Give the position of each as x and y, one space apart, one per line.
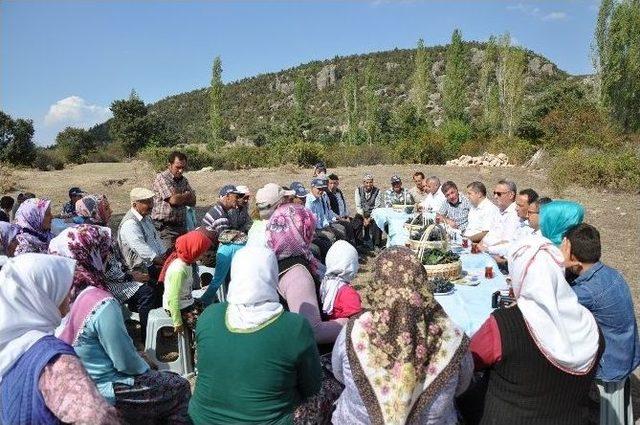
499 193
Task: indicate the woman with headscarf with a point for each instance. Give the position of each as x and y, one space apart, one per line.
128 287
339 299
41 378
542 353
256 362
95 328
402 360
289 233
8 242
34 218
557 217
177 276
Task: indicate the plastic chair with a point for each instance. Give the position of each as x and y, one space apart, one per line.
221 292
159 319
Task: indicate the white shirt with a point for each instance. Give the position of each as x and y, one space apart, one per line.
521 232
504 229
142 237
482 218
434 202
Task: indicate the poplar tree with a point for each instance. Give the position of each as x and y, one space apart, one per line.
300 101
510 78
419 92
371 104
454 93
350 100
216 102
488 88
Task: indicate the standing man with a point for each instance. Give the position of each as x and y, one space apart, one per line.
397 195
419 191
367 198
455 211
173 195
482 215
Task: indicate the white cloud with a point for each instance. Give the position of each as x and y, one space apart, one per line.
555 16
527 9
75 111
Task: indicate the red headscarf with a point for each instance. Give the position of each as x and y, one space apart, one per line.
189 247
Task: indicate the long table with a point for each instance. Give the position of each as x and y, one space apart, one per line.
470 306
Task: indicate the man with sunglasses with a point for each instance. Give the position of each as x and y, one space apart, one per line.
239 218
504 230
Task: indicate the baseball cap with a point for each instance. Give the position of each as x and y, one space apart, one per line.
293 185
320 166
395 179
75 191
319 183
301 192
229 188
244 190
270 194
140 194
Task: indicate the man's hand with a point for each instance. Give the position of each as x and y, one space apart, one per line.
140 277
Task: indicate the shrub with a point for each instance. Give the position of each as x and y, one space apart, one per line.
352 156
7 180
583 126
617 169
428 149
474 147
518 150
455 132
47 160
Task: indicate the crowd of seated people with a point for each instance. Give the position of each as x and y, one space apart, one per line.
282 334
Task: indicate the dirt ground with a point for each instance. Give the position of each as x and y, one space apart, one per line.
617 215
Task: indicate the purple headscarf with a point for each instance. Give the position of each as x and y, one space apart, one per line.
8 233
30 217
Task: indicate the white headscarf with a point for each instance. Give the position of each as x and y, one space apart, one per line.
342 267
253 298
564 331
32 286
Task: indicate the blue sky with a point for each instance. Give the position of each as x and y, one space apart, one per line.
63 62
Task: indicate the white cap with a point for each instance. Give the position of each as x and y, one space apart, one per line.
270 195
243 189
140 194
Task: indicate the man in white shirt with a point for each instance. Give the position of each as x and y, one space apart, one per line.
435 199
483 213
504 229
138 238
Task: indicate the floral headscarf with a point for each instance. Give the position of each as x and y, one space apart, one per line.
404 348
290 231
93 208
8 233
30 217
89 246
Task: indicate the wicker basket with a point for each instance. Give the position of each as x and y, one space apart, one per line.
451 271
424 242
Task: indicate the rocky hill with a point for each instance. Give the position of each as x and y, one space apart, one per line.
257 107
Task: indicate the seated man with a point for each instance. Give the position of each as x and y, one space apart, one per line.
327 224
139 242
533 213
455 211
336 198
69 208
301 193
219 212
605 293
434 199
483 213
397 195
320 170
419 191
367 197
239 218
504 228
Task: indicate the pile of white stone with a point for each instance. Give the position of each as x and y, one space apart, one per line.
484 160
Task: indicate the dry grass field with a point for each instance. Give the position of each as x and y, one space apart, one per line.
617 215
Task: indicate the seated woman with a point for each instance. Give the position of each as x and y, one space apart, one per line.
34 219
42 381
177 275
128 287
8 241
402 360
289 233
339 299
557 217
541 354
95 328
256 362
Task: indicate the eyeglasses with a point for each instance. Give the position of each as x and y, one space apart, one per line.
533 212
499 193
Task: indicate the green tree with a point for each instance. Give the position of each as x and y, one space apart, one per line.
130 127
216 99
419 92
371 104
510 78
300 120
454 93
16 138
617 40
488 88
350 101
74 144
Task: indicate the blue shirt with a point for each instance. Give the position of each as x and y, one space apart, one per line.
606 294
321 209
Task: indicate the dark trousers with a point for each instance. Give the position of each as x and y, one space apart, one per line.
169 232
362 232
322 240
146 298
344 230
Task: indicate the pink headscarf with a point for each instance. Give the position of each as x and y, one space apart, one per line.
290 231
